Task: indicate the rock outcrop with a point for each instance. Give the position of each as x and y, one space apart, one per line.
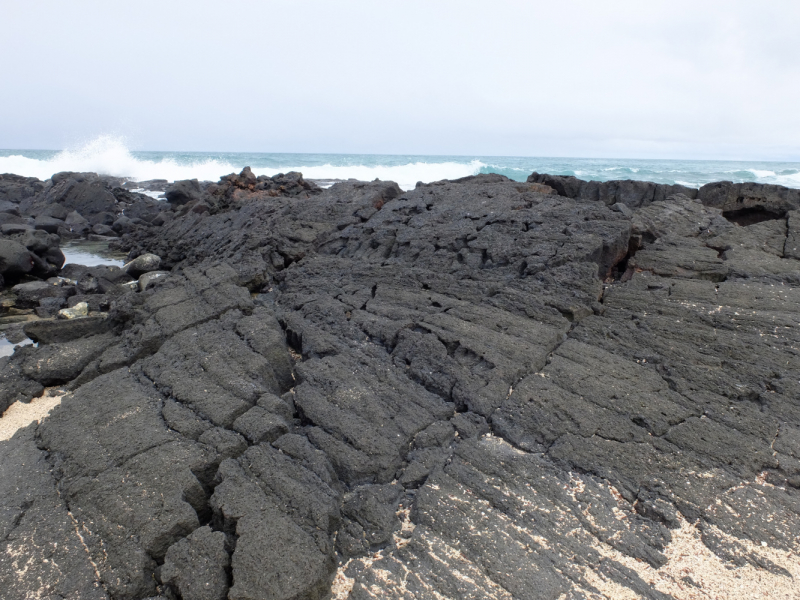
476 389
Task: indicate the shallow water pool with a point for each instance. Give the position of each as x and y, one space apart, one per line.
7 348
91 254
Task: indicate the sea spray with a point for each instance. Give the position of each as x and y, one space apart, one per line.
111 155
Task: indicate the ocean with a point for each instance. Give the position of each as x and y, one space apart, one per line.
110 155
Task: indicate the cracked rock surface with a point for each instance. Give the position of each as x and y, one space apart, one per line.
476 389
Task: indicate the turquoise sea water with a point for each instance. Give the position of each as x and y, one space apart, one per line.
110 156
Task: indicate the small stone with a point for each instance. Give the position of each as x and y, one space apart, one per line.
81 309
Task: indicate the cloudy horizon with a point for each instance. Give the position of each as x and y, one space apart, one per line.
662 80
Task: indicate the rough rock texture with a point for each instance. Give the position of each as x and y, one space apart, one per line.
475 389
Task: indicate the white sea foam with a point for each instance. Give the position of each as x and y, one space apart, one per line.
108 155
154 195
406 175
792 180
762 174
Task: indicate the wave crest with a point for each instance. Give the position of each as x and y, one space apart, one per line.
109 155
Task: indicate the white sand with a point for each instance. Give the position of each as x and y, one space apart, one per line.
20 415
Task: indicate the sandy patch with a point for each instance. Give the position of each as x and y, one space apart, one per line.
20 415
694 572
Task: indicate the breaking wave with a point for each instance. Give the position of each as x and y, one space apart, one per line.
109 155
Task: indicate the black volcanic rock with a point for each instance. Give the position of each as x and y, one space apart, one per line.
478 388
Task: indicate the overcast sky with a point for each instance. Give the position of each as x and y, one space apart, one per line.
643 78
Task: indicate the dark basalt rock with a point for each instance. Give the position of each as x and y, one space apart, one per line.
29 294
15 258
181 192
477 388
58 331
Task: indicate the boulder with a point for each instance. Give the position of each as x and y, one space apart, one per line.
16 188
162 218
54 210
102 218
85 193
39 241
29 294
103 230
10 229
75 218
48 224
748 203
182 192
143 264
123 225
15 259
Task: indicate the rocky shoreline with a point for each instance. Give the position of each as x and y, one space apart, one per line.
479 388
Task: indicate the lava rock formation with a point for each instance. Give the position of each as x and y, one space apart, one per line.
475 389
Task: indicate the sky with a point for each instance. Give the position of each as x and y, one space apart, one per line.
617 78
